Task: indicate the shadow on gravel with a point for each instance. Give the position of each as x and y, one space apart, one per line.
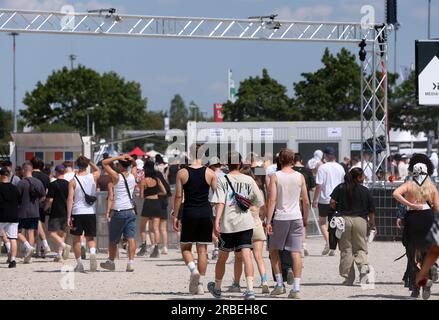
381 296
163 294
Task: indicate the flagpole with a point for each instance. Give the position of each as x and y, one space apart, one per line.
14 35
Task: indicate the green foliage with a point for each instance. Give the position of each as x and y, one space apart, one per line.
178 113
332 93
404 112
260 99
6 125
68 95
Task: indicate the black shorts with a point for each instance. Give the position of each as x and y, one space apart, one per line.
84 223
28 224
235 242
57 224
196 230
151 208
325 210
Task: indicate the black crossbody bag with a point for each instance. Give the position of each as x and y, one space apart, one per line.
90 200
133 202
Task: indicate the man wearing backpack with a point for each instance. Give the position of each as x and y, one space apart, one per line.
32 192
234 223
56 206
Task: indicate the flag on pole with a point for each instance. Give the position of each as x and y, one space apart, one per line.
232 88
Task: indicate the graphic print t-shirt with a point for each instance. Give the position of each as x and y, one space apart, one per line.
233 219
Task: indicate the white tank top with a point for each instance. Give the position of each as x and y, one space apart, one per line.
121 197
289 188
79 204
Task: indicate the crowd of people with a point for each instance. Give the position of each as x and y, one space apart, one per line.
236 204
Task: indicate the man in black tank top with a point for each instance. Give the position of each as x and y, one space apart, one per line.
196 223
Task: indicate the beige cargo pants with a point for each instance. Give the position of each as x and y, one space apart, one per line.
353 247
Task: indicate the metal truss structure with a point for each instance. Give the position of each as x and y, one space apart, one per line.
108 23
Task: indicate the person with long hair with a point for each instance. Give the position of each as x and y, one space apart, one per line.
151 188
422 200
354 204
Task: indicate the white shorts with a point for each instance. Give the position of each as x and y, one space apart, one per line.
10 230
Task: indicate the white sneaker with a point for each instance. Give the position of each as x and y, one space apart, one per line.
193 283
93 263
28 255
331 253
325 250
130 267
200 289
165 250
66 252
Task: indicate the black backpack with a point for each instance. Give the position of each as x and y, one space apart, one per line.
34 195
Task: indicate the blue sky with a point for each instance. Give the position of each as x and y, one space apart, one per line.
195 69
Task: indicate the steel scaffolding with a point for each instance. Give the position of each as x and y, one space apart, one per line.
108 23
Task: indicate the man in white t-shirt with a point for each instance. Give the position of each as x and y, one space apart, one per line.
233 226
329 176
366 165
403 167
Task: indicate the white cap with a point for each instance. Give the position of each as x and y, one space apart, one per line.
139 164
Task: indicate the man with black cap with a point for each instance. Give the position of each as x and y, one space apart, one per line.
9 202
56 206
329 176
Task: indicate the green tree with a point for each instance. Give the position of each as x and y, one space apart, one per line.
69 95
5 125
404 112
331 93
178 113
260 99
195 113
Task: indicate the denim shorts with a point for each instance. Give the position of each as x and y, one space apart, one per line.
122 223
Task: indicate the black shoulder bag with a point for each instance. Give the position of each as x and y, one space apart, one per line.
133 202
242 202
90 200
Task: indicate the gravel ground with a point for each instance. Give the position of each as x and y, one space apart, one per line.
167 278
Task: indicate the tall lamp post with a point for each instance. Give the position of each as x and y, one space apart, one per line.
14 105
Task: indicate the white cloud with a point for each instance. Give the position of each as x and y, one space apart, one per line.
172 80
304 12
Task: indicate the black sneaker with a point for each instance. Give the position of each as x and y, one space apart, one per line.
12 264
216 293
142 250
415 293
155 253
83 253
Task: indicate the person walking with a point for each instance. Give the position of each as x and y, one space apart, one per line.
422 200
38 173
329 176
258 240
151 188
234 223
56 206
285 229
310 186
9 202
195 223
81 210
353 202
122 217
32 192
